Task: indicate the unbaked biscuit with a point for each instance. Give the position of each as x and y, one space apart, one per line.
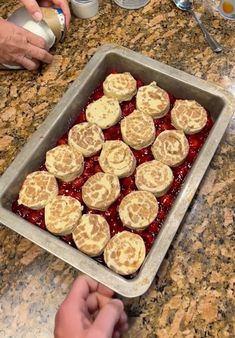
138 130
105 112
138 209
121 87
189 116
62 215
38 189
86 137
117 158
125 253
154 176
92 234
64 162
100 191
171 147
153 100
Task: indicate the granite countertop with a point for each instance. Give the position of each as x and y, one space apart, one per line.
193 293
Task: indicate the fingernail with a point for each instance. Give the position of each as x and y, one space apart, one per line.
37 16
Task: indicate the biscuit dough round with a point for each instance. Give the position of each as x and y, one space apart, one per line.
105 112
189 116
125 253
154 176
62 215
92 234
138 130
100 191
38 189
153 100
171 147
138 209
86 138
117 158
120 86
64 162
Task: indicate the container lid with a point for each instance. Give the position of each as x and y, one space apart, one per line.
131 4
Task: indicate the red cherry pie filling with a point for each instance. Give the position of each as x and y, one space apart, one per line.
91 166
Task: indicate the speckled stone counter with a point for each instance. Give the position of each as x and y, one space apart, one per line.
193 293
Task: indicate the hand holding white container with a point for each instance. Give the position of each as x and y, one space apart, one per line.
51 28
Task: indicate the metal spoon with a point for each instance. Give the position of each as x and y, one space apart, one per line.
187 5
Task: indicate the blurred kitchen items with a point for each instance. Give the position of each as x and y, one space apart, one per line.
84 9
51 28
131 4
187 5
225 8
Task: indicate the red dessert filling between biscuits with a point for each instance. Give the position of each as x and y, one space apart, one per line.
92 166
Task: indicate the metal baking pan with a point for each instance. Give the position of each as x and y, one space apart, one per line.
219 102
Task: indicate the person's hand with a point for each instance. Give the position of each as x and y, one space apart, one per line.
33 8
89 311
21 47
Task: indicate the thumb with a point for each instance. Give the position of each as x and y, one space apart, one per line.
33 9
107 319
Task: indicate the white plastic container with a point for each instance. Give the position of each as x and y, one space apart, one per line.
131 4
84 9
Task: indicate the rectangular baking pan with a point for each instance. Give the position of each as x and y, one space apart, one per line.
220 104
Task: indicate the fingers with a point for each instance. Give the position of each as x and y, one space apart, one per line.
122 324
95 301
44 3
37 47
82 287
123 319
63 4
104 290
35 50
33 8
22 47
107 319
39 54
27 63
35 39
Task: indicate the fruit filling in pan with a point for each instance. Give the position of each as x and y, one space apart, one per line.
125 159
